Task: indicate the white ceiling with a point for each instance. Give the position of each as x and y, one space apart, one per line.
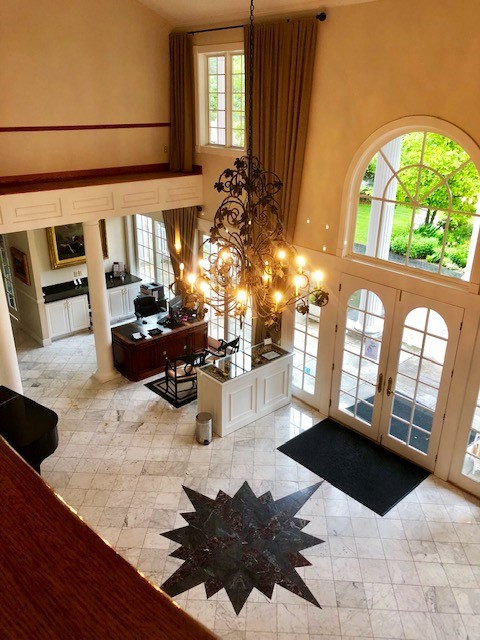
188 13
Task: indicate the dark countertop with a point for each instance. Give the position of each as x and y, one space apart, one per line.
237 364
69 290
124 331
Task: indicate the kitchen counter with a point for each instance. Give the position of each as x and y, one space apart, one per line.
65 290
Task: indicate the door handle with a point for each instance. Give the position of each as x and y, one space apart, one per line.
380 383
389 387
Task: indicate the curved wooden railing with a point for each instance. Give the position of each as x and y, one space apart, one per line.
59 580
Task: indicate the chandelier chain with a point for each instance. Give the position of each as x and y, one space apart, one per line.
249 264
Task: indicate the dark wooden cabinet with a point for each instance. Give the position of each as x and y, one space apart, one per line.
139 359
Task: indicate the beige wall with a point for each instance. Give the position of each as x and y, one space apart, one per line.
105 61
81 62
116 252
27 295
376 63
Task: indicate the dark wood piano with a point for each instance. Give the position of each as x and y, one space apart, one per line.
28 427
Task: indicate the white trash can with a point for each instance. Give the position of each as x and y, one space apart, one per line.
204 428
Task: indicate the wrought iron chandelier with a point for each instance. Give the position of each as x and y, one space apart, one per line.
252 265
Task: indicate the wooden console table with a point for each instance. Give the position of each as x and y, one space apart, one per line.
139 359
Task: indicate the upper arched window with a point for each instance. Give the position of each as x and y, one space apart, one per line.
419 204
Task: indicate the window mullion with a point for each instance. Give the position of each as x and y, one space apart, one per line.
228 100
154 247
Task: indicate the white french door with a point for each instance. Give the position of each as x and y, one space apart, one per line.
394 358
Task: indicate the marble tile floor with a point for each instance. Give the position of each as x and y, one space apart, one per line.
125 453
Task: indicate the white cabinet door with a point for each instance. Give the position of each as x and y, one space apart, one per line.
120 301
116 303
67 316
78 313
132 291
57 318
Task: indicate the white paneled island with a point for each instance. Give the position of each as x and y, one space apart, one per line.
245 386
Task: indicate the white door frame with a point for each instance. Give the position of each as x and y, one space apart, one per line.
453 317
350 284
396 312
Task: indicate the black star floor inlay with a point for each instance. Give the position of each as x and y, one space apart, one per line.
242 542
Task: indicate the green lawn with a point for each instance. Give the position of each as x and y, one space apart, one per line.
402 219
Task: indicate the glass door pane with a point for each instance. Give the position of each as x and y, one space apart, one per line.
361 354
420 365
364 325
471 461
420 368
305 348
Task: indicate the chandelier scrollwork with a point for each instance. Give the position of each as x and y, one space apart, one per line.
253 264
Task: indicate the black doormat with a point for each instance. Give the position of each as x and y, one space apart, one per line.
360 468
183 397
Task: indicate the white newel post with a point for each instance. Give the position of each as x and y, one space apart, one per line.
99 302
9 369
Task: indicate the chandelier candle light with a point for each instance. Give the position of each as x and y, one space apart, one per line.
253 265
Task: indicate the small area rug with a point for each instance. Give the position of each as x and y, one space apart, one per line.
357 466
183 397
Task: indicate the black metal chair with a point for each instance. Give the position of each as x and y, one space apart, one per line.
148 306
224 349
180 382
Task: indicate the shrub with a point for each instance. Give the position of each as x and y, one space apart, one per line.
458 256
420 246
435 256
427 230
399 243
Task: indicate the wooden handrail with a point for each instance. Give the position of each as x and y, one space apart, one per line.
59 579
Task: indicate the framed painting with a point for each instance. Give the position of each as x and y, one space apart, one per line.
20 265
66 245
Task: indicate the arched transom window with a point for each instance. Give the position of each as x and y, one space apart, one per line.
418 205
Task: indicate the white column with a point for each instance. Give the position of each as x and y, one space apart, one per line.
99 302
9 369
473 244
381 219
381 213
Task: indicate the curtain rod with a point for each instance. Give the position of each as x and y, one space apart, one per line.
235 26
321 16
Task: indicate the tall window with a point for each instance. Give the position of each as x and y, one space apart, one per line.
221 97
225 326
418 205
305 340
7 274
471 462
153 257
163 264
145 259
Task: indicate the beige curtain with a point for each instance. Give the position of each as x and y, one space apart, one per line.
283 58
182 114
180 226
